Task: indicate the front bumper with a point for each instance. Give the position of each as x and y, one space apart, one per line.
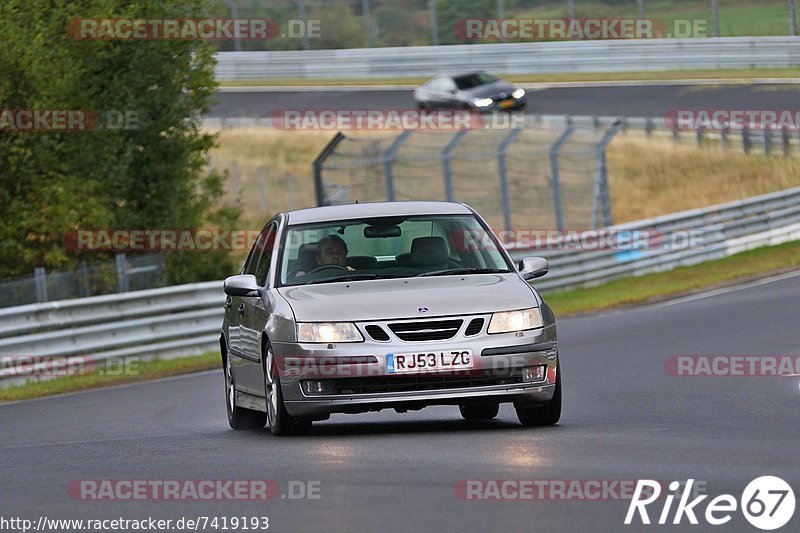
360 383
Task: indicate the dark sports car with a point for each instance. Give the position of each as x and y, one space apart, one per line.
474 90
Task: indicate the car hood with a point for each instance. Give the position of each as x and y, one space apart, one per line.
490 90
356 301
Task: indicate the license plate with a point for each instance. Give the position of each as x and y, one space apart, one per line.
408 363
507 103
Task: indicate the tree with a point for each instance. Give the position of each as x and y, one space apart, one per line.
153 176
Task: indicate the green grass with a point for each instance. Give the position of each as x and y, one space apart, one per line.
736 17
625 292
727 74
137 371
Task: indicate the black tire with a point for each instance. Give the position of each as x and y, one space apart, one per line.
479 412
278 419
239 418
546 414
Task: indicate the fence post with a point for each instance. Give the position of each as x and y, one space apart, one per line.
447 153
83 270
649 126
601 193
699 135
388 163
326 152
40 278
501 162
746 143
237 191
767 141
122 273
785 139
262 187
723 137
555 178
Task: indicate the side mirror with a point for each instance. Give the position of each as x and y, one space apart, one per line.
244 285
533 267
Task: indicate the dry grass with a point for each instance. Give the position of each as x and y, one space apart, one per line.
272 170
648 177
651 177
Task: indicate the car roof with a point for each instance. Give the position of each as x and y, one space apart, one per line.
374 209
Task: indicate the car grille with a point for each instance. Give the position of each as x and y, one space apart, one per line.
377 333
424 382
426 330
475 326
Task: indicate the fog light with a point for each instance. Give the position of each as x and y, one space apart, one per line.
315 387
534 373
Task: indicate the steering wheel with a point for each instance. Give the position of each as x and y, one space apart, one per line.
325 267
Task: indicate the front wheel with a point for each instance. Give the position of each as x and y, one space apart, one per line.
239 417
546 414
278 418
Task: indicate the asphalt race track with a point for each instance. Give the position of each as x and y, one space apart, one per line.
624 418
614 100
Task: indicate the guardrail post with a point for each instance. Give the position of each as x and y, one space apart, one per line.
40 278
767 141
601 194
699 135
723 137
388 163
746 143
122 273
501 161
83 282
326 152
447 154
786 139
555 177
649 126
675 133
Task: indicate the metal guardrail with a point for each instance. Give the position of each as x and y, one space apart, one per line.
515 58
185 319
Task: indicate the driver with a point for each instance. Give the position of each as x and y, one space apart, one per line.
331 250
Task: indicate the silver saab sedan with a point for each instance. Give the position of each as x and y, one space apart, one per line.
398 305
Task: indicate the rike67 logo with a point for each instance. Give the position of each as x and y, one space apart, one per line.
767 503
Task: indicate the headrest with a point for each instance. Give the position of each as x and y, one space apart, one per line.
426 251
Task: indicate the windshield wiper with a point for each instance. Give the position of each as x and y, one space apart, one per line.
354 277
346 277
464 270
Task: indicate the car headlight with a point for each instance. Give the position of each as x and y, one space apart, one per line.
328 332
518 93
482 102
515 320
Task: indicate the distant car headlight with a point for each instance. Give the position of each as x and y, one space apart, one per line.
518 93
515 320
482 102
328 332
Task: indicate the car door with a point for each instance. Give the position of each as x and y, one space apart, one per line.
255 316
234 308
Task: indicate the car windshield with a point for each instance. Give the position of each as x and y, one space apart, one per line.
388 247
470 81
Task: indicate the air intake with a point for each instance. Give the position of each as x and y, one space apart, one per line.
427 330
